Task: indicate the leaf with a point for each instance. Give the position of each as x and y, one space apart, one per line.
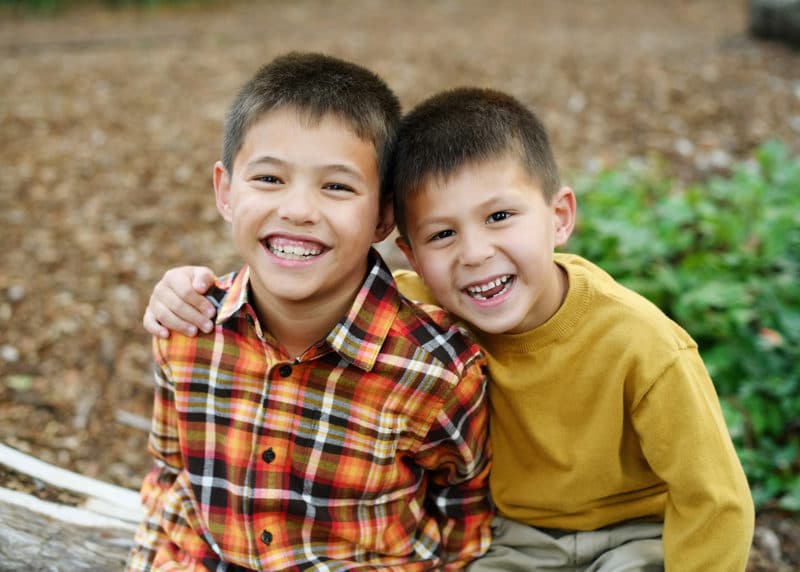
791 499
19 382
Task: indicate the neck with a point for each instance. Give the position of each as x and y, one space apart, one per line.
557 296
297 325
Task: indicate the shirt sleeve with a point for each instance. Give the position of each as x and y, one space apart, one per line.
457 455
709 515
165 449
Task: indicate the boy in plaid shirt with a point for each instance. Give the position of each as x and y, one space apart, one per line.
325 422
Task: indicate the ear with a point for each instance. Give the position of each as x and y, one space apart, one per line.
564 210
405 247
385 224
222 190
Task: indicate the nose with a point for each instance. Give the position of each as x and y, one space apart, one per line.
476 247
299 205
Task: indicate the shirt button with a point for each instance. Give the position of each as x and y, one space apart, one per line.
266 536
285 370
268 455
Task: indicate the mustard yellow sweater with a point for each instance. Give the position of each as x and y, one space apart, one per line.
606 413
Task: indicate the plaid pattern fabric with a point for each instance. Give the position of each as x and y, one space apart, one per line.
367 452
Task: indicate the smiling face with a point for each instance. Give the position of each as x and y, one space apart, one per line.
483 238
303 201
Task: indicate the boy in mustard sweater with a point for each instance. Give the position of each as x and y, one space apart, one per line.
610 449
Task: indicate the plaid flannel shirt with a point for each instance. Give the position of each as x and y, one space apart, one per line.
367 452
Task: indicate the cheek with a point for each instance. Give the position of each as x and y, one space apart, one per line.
436 275
532 247
240 208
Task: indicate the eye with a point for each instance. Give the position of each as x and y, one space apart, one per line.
268 179
338 187
498 216
441 235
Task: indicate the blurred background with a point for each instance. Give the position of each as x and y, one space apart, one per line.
676 124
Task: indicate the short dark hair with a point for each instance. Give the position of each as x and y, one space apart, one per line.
461 126
316 85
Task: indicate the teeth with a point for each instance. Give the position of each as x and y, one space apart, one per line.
293 252
488 286
477 291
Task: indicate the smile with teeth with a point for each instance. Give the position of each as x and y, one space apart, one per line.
292 251
489 289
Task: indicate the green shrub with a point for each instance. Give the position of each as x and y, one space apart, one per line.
722 258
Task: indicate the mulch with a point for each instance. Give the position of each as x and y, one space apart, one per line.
111 123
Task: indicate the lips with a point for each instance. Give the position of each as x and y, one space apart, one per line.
490 288
292 248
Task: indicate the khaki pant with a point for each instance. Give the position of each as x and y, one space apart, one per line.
628 547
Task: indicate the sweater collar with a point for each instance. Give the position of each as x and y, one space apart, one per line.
560 325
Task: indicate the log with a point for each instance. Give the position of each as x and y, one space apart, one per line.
36 535
101 498
39 535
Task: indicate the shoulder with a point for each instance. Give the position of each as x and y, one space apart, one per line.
432 337
183 349
623 311
622 325
639 343
434 325
411 286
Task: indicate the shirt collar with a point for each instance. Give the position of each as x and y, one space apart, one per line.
359 336
235 297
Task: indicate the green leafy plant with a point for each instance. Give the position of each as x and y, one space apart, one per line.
722 258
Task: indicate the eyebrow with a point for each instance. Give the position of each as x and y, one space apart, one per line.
425 221
328 168
266 160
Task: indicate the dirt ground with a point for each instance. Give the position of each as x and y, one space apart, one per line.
110 123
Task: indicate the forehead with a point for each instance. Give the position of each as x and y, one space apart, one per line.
473 182
293 134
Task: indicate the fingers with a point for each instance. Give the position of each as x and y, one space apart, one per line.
190 283
202 279
152 326
177 302
180 309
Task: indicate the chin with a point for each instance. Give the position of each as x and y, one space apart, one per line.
489 326
494 329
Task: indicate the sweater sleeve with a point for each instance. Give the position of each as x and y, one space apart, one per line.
412 287
709 515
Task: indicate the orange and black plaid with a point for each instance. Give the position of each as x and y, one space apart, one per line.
368 452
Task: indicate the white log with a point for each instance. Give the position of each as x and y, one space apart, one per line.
66 514
102 498
37 535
